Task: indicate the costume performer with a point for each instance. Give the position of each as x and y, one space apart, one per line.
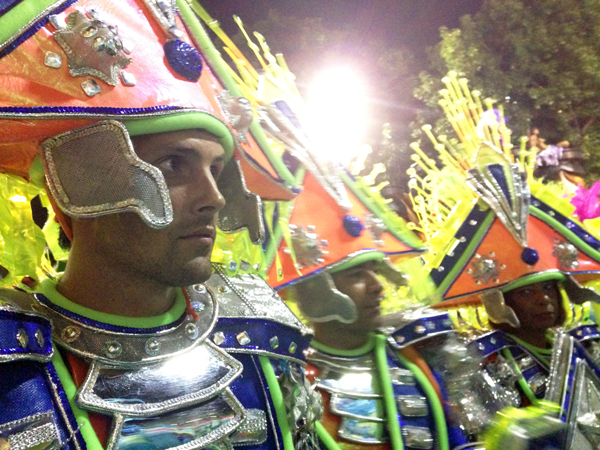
500 239
137 138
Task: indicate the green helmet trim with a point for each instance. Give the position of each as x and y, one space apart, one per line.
532 279
361 258
183 121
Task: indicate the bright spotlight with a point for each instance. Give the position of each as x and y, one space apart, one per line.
337 114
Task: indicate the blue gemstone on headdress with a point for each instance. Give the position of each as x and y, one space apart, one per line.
353 225
184 59
530 256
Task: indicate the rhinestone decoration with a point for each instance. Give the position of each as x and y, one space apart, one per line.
223 289
52 59
353 225
198 306
70 334
484 269
128 78
152 346
219 338
233 266
530 256
22 338
430 325
39 337
567 254
90 87
307 246
293 347
191 331
420 329
376 228
243 338
245 265
92 47
183 59
113 349
274 342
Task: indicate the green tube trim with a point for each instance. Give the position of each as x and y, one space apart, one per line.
575 240
183 121
436 406
326 438
522 382
222 70
277 398
532 279
362 350
466 255
391 410
406 237
361 258
22 15
278 234
83 421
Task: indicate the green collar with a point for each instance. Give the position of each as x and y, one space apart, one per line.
364 349
48 288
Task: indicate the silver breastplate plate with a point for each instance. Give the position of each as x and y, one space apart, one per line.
163 388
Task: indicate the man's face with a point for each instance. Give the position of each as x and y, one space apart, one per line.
536 305
178 255
360 283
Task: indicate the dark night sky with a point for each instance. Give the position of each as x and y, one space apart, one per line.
410 23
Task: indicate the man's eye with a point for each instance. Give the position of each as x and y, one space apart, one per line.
169 165
216 170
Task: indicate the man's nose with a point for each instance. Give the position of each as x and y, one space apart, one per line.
209 197
374 283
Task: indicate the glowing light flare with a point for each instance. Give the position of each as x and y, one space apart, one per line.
337 114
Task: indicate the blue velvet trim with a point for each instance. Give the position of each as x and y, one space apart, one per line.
11 322
261 332
585 332
34 29
81 110
56 386
575 228
490 343
106 326
420 328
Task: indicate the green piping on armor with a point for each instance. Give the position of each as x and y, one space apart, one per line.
325 437
12 23
48 288
81 416
522 382
391 410
277 398
362 350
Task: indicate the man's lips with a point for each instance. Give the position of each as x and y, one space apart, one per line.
201 233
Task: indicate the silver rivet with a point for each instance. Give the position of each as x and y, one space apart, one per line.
400 339
463 239
39 337
223 289
430 325
478 282
492 255
89 31
502 266
293 347
191 331
245 265
420 329
22 338
311 228
219 338
152 346
113 349
496 280
70 334
243 338
257 267
472 222
441 269
447 323
274 342
53 59
493 340
469 271
481 346
552 213
200 288
90 87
